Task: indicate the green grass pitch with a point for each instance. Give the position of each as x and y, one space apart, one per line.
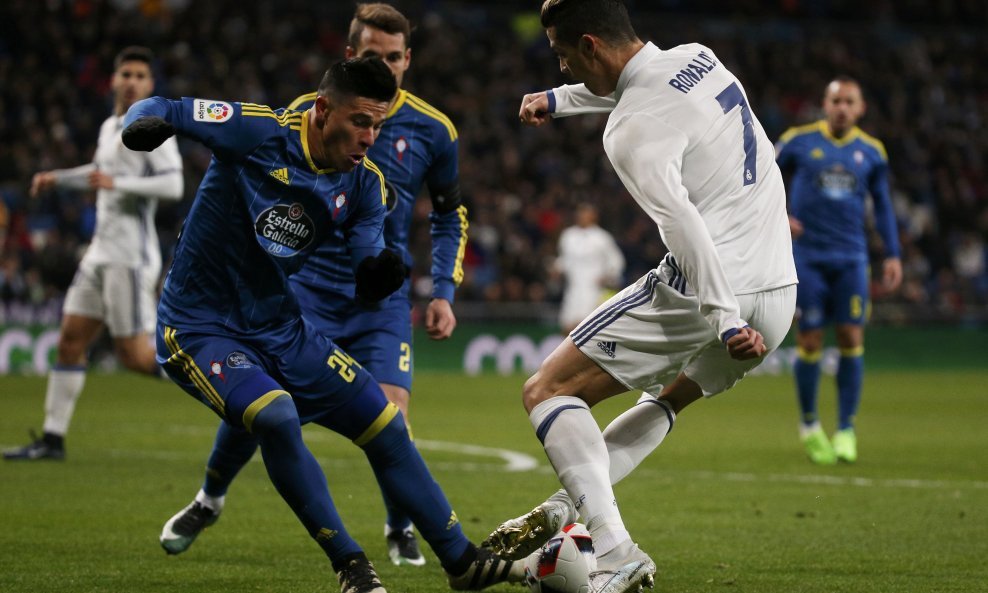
727 504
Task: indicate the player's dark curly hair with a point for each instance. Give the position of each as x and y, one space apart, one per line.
607 19
133 53
359 77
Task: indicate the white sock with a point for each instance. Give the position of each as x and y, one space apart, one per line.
214 503
64 386
575 447
633 435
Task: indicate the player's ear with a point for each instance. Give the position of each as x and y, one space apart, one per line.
323 109
349 52
587 45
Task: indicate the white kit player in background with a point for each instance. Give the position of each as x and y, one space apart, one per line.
687 146
117 278
591 264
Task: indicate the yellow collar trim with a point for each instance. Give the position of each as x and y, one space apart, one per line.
305 145
851 135
402 95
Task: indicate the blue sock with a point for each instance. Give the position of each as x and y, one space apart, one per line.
850 376
232 450
405 479
807 372
398 520
299 479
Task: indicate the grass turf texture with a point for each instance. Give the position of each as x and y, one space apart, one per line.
727 504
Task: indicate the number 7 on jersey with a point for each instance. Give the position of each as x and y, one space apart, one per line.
729 98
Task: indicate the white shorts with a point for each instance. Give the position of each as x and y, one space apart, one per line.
120 296
649 332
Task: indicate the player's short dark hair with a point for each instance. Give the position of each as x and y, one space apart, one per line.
133 53
359 77
380 16
607 19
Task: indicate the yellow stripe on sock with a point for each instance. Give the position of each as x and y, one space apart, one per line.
807 356
849 352
259 404
386 415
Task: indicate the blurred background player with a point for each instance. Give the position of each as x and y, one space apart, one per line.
835 165
117 278
230 331
591 264
417 146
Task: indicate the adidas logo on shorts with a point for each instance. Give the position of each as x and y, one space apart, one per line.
608 347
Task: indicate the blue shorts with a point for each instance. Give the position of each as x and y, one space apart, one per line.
381 340
831 293
236 376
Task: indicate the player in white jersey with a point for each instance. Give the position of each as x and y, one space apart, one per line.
687 146
118 275
590 262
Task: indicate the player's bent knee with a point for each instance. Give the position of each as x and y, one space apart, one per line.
272 412
535 391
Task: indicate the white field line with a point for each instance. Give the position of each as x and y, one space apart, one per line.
515 461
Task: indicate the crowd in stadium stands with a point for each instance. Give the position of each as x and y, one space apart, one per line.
920 64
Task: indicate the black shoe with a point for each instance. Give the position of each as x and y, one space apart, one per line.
486 570
185 526
48 446
359 577
403 548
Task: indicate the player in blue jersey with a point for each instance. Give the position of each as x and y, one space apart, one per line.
230 330
835 166
417 146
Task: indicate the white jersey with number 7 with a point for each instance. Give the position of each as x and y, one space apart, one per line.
685 142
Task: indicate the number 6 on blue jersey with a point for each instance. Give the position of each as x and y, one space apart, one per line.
728 99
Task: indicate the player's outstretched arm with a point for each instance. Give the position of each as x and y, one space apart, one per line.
145 126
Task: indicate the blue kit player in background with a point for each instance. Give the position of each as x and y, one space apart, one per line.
834 167
230 330
417 146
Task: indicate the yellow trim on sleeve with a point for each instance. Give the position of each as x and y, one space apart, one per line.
370 166
876 144
386 415
259 404
188 365
852 352
303 99
423 107
807 356
461 250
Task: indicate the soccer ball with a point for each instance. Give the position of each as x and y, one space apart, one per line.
563 564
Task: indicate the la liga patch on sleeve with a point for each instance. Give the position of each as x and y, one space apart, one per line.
209 111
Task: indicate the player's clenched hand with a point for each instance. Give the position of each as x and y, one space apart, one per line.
746 344
380 275
892 273
534 109
439 319
100 180
795 227
147 133
42 181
